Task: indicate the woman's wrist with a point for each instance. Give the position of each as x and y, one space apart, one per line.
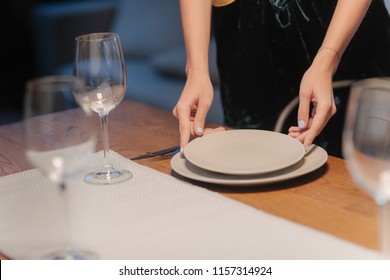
332 50
198 71
327 58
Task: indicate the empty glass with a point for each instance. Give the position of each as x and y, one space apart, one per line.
59 140
99 63
366 145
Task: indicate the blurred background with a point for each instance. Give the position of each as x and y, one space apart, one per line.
19 40
39 41
16 59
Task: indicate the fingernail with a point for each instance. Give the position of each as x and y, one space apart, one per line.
301 124
199 130
309 148
181 150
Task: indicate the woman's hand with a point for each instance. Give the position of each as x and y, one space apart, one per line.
192 107
316 88
316 84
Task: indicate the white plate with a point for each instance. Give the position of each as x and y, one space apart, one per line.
244 151
313 160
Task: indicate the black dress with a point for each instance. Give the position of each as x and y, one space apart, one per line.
265 46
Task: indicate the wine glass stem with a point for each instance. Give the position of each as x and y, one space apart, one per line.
384 210
64 198
106 142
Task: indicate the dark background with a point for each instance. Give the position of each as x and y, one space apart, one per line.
17 55
16 59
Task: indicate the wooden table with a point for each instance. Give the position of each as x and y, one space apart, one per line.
327 199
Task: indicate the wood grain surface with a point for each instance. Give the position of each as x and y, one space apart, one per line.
327 199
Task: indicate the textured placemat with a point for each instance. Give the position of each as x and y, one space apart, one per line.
153 216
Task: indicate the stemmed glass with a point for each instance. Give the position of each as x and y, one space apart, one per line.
366 145
100 64
59 141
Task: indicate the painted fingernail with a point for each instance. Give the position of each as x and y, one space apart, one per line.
199 130
301 124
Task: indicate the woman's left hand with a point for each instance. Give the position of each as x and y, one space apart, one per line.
316 88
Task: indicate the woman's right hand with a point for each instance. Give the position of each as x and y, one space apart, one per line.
198 93
192 107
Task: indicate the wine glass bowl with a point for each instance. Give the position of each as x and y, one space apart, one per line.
366 145
102 99
59 142
99 63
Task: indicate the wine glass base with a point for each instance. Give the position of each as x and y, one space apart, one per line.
71 255
108 177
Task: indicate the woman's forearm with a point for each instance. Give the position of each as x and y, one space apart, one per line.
345 21
196 21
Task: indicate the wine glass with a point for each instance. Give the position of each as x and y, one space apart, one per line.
100 64
366 145
59 141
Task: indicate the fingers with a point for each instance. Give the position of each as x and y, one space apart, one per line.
299 133
323 110
183 116
212 130
304 110
191 122
294 129
294 134
316 124
320 119
304 121
200 118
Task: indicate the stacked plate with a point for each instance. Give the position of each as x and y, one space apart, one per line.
246 157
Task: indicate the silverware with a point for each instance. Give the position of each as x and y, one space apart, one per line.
165 153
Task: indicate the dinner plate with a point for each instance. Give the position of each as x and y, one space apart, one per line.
314 159
244 151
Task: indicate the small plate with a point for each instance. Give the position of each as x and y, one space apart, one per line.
313 160
244 151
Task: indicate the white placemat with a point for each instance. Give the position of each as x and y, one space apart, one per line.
153 216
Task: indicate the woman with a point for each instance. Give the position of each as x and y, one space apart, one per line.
268 51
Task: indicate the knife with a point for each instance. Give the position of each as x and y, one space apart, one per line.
156 153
